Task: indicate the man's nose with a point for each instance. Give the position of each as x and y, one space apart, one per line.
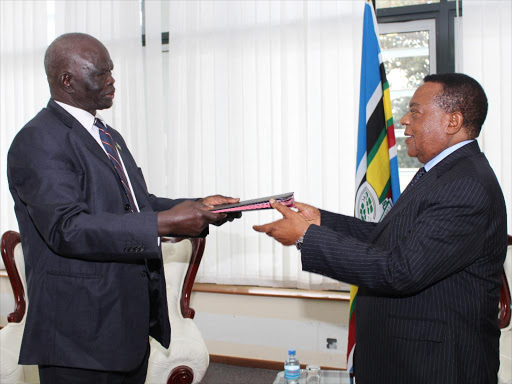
404 120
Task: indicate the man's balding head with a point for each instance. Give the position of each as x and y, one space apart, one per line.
63 51
78 68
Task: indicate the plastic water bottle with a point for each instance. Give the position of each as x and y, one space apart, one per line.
291 368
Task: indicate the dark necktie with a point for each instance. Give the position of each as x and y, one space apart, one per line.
113 155
415 179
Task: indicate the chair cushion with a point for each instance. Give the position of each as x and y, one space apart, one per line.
10 342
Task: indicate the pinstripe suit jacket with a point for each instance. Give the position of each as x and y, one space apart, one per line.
428 276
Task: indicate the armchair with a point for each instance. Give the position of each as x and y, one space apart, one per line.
505 372
11 334
186 360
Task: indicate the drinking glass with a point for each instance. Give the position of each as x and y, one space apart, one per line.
313 374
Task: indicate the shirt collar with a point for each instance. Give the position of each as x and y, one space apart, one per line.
444 154
85 118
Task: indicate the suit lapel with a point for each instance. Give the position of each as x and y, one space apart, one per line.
92 145
425 183
79 130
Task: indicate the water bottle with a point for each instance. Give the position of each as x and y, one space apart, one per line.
291 368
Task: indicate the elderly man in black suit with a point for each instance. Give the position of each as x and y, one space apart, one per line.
90 229
429 273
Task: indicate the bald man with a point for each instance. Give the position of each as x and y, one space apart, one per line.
90 229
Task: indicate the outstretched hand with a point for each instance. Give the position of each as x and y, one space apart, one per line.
189 218
212 201
310 213
218 200
292 226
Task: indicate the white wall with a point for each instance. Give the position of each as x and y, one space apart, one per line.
264 328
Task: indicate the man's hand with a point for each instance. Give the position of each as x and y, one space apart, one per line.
310 213
214 200
218 200
292 226
189 218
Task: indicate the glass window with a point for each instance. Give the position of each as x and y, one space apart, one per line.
401 3
408 51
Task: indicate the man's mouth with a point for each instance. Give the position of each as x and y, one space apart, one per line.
111 94
408 138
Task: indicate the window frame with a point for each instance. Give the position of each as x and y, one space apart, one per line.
443 13
406 173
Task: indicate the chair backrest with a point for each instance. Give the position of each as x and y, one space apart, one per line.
504 307
191 262
12 256
186 360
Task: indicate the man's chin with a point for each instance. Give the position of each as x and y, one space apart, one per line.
106 105
411 151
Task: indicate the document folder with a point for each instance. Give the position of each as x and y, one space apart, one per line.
256 204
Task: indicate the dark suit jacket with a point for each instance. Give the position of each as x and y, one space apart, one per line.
96 286
428 275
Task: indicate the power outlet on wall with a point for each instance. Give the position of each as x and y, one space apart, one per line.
332 343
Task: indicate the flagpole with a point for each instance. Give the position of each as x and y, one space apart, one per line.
377 184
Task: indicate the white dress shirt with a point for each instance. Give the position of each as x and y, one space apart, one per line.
87 120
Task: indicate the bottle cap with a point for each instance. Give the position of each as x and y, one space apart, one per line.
291 352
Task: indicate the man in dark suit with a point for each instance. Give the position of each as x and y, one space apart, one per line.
90 229
429 273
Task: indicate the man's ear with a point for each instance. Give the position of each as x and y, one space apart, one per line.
456 120
66 82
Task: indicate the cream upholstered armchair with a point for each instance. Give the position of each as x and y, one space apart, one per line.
186 360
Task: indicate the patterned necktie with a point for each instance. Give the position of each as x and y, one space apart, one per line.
415 179
113 155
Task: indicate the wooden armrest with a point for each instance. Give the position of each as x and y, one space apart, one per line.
504 311
9 241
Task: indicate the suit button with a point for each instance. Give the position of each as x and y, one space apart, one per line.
143 274
127 207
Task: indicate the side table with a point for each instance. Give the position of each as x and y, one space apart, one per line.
328 377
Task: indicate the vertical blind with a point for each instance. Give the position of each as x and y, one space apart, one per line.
262 99
487 56
251 98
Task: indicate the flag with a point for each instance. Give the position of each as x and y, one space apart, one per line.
377 164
